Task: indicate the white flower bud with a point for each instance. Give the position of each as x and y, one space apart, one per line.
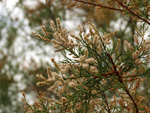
90 60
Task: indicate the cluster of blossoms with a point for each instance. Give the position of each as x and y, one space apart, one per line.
95 75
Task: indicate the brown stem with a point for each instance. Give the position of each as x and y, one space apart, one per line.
99 5
105 75
132 12
106 102
137 111
121 81
116 9
127 91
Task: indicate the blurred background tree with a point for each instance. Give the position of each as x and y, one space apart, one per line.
22 56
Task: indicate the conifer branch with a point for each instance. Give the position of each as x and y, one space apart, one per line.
99 5
121 81
130 11
115 9
109 111
104 75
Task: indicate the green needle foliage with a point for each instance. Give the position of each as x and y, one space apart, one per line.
98 74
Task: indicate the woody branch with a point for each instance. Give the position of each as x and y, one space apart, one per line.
121 81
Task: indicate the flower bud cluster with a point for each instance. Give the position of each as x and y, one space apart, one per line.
135 54
65 68
128 45
94 69
136 40
118 44
61 41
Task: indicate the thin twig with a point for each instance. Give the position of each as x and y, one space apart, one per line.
121 81
115 9
132 12
106 102
105 75
99 5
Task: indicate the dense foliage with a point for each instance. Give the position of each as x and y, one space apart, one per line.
99 73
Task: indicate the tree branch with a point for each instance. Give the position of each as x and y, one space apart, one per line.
130 11
109 111
115 9
98 5
105 75
121 81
